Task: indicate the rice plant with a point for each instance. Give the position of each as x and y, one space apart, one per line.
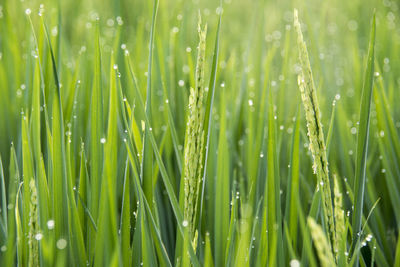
199 133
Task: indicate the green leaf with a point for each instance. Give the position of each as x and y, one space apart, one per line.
362 140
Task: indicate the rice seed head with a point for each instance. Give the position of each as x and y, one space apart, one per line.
314 126
194 138
33 226
321 244
339 213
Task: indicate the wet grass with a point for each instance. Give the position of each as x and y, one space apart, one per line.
129 136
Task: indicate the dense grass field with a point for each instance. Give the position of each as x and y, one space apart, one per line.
199 133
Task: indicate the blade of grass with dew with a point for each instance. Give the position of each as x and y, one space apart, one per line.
159 245
244 235
96 131
46 242
106 238
268 207
28 175
254 232
43 190
76 240
229 252
382 259
83 194
3 209
147 252
160 248
125 231
391 125
256 149
293 197
172 127
8 257
360 244
208 259
222 188
21 250
164 175
147 153
362 140
330 130
58 156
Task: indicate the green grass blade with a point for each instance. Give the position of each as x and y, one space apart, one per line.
28 176
293 197
126 221
164 175
362 140
222 188
3 213
96 127
58 154
8 257
147 153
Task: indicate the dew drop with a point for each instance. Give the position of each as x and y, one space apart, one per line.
61 243
50 224
294 263
38 236
368 238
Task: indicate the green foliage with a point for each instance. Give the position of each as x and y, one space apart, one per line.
129 136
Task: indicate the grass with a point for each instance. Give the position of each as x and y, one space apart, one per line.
131 134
